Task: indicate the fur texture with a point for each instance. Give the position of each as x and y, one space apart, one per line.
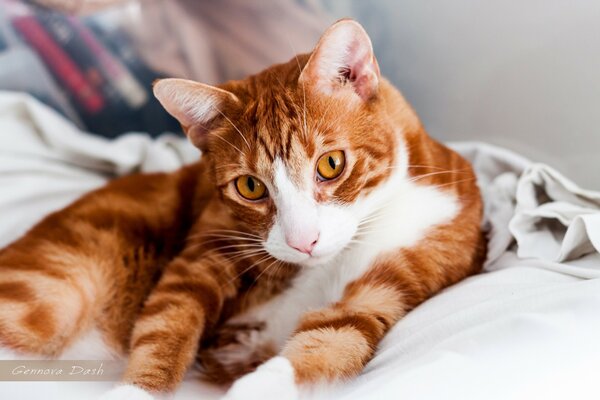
179 269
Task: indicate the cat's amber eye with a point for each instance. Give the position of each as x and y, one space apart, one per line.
250 187
331 165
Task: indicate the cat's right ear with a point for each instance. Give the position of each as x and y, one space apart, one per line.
197 107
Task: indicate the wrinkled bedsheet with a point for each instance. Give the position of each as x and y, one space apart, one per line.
528 327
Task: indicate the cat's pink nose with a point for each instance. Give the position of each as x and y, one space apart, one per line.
303 243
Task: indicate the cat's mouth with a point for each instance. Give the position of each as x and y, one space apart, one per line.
335 232
314 259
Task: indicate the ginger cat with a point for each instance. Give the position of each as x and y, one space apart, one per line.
319 215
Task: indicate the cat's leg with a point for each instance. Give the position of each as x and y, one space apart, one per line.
164 342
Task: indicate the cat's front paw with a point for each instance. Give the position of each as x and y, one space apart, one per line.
127 392
272 380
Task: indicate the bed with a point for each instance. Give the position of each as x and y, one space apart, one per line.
527 327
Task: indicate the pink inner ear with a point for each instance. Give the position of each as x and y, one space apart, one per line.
344 54
363 68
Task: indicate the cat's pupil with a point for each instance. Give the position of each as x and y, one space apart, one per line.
251 184
331 162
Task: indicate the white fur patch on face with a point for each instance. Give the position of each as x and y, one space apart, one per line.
272 380
300 220
396 215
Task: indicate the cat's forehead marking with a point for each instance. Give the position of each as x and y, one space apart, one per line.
279 130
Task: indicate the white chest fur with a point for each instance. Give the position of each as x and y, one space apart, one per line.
398 216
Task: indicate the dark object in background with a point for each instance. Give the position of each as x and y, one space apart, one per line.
18 65
22 70
151 115
86 97
102 76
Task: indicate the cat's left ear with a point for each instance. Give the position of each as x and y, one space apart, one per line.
343 56
197 107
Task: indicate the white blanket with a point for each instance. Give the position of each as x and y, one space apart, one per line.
526 328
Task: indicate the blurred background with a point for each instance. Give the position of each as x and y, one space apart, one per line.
523 74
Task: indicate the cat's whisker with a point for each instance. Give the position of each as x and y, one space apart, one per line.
373 217
245 251
272 277
256 280
361 242
233 260
455 182
239 255
369 228
224 238
376 227
226 141
214 238
371 232
234 127
371 222
419 177
234 231
261 260
409 166
243 255
228 235
211 243
377 213
266 269
375 230
239 258
423 166
322 119
247 247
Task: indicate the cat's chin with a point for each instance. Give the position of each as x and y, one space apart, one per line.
307 261
317 260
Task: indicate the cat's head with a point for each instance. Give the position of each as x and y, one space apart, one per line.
299 148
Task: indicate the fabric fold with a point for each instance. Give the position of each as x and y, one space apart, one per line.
554 219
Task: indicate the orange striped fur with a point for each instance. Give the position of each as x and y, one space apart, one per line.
163 264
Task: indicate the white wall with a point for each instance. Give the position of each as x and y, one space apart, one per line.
524 74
